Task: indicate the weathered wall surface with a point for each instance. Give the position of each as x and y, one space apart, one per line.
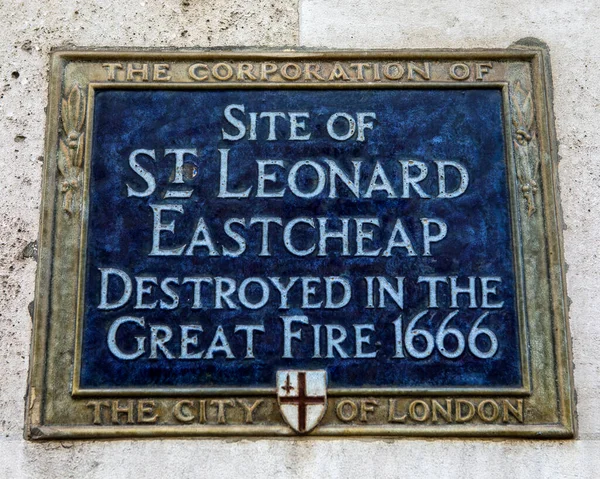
30 29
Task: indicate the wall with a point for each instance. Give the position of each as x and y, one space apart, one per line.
30 29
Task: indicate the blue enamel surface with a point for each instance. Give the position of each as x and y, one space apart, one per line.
424 125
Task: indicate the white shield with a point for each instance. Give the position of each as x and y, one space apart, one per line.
302 397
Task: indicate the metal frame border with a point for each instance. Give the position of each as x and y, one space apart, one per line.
38 424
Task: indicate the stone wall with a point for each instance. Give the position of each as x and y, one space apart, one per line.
31 29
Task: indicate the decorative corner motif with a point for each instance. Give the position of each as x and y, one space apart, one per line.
525 142
70 154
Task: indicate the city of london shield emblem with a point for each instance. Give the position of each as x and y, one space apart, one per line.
302 398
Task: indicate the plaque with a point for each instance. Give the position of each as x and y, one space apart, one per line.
300 243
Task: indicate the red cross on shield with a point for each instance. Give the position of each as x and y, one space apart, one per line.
302 397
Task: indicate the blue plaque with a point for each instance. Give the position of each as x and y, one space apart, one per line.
340 243
410 220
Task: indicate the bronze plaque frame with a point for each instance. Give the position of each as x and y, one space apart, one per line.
57 407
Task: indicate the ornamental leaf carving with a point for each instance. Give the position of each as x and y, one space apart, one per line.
71 147
525 145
